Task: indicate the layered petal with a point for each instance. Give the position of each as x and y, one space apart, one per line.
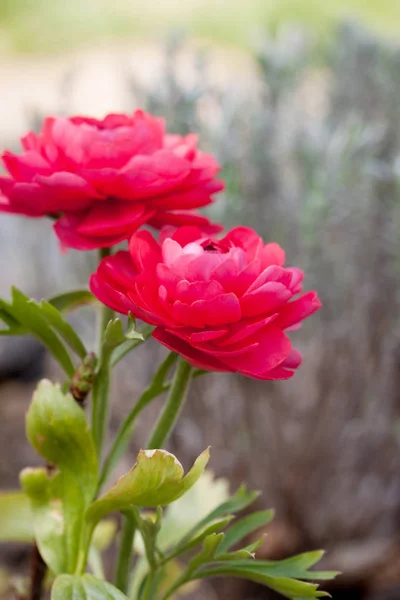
105 178
224 305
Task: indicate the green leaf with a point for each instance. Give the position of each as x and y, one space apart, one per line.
291 588
296 566
207 554
282 576
71 300
215 527
183 515
240 500
63 328
57 429
25 316
156 479
243 527
15 517
31 320
45 493
130 344
114 335
86 587
210 548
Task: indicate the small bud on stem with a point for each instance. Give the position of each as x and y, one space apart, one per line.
82 379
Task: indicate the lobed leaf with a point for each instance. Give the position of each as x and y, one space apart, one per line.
86 587
57 429
156 479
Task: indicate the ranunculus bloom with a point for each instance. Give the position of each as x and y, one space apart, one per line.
223 305
103 179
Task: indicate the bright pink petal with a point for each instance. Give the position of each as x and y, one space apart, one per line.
266 299
299 309
66 230
145 251
218 311
246 238
108 295
271 273
66 192
25 166
194 357
113 218
273 348
272 254
238 332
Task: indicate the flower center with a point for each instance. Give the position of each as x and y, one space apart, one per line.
214 246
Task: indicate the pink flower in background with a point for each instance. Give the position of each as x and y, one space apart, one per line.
103 179
224 305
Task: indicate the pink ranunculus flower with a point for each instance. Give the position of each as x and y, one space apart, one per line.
224 305
102 179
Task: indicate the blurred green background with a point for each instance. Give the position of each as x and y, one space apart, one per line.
48 25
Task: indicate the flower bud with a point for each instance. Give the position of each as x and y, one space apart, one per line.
82 379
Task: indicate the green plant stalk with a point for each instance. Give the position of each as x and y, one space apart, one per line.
101 385
162 429
173 405
125 553
157 387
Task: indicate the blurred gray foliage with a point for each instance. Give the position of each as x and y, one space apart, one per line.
312 160
311 157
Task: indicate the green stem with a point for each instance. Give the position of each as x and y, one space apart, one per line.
157 387
173 405
125 554
148 590
101 386
122 350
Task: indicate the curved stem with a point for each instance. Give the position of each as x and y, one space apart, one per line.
173 405
125 553
101 386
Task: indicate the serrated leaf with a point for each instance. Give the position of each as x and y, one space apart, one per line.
290 588
65 330
156 479
296 566
243 527
15 517
57 429
86 587
71 300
